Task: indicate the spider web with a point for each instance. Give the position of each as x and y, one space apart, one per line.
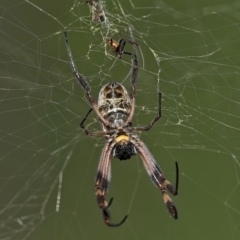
188 50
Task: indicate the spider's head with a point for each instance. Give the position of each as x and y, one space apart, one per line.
124 149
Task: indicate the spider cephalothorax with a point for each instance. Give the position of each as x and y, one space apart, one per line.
115 110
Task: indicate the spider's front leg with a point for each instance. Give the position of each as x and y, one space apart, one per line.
96 134
102 184
82 81
133 81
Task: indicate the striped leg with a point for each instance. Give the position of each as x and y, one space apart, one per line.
102 184
157 176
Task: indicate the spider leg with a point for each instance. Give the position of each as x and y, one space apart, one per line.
99 133
121 46
82 81
102 184
128 53
133 79
157 176
150 125
106 216
177 177
132 42
78 75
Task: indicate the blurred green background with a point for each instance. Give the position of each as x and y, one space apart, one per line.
187 49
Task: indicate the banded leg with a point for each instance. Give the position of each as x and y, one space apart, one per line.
102 184
157 176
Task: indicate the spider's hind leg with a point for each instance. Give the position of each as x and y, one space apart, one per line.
106 216
102 184
157 176
101 190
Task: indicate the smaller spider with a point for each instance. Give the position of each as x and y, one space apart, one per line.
118 46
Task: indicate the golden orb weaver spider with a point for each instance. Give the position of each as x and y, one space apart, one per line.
115 110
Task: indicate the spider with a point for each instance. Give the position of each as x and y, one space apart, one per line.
118 46
115 110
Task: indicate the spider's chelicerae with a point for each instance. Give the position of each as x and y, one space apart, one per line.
115 110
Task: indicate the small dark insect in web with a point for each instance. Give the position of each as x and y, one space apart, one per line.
97 11
118 46
115 111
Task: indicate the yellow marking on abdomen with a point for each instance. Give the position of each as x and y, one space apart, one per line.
122 138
